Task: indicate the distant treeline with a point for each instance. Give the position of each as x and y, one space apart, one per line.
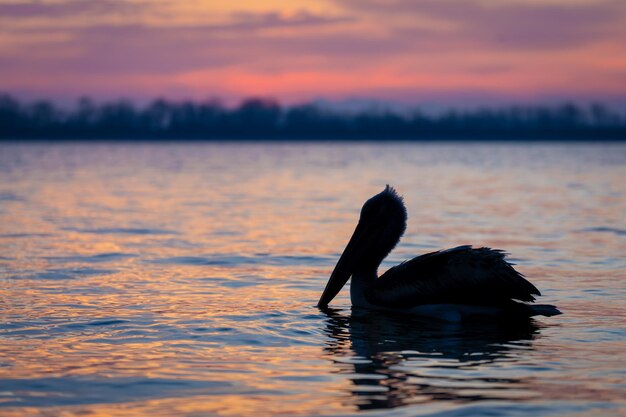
266 119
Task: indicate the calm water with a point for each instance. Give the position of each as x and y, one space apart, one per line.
181 280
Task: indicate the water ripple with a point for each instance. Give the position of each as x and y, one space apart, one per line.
123 230
618 232
97 258
38 392
66 273
236 260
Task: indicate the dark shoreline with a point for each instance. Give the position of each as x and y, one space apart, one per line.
263 120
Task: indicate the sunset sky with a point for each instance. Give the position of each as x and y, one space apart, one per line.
409 51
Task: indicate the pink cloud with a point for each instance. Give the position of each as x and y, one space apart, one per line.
365 48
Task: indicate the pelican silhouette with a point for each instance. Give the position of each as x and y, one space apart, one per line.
453 285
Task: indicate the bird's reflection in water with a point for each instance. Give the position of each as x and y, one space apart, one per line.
394 360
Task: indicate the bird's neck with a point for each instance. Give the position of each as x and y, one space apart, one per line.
361 280
366 271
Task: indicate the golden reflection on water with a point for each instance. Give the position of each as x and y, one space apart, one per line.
182 279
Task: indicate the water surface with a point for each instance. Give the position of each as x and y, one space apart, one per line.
181 279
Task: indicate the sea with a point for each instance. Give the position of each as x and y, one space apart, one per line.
181 279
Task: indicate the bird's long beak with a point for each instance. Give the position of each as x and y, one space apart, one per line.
346 264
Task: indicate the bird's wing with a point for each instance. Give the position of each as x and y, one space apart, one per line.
461 275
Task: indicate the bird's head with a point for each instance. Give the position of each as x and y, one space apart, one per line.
382 223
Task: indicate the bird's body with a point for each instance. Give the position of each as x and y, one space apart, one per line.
452 285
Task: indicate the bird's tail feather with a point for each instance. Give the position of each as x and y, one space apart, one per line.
544 310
